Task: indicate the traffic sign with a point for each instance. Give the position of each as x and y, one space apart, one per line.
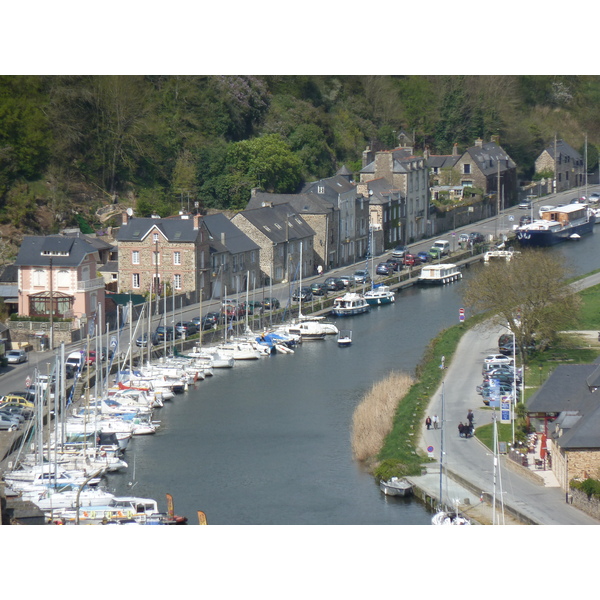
27 381
461 314
113 342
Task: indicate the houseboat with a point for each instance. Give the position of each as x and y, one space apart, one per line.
439 274
557 224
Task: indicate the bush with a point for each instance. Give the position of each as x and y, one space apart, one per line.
591 487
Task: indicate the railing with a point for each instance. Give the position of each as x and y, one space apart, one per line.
90 284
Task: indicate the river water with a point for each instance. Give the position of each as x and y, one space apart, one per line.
268 442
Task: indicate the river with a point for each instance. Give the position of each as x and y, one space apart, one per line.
268 442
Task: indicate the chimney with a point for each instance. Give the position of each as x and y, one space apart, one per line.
479 143
197 219
253 192
125 218
495 139
223 238
455 150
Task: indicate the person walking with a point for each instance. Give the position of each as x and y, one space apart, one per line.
470 417
428 422
435 421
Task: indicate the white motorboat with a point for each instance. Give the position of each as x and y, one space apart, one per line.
307 330
239 350
344 338
350 304
396 487
380 294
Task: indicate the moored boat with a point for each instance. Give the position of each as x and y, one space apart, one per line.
344 338
350 304
439 274
558 224
380 294
396 487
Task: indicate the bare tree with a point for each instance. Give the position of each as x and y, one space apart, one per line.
529 294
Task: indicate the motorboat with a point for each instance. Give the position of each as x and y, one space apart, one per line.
350 304
396 487
344 338
493 255
380 294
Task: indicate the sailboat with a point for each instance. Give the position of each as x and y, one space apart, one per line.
379 293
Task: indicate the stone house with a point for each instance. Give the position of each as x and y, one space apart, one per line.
318 212
566 411
234 257
408 174
564 162
387 214
154 253
352 235
57 275
285 240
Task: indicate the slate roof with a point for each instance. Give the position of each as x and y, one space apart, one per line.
301 203
333 187
381 190
567 392
401 157
9 274
564 149
30 253
174 230
236 241
487 156
441 161
112 266
93 240
271 221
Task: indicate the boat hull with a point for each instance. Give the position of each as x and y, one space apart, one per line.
544 238
396 487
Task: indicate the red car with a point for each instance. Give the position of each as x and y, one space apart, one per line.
91 358
411 260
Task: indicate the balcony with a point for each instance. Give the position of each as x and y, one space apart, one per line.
90 284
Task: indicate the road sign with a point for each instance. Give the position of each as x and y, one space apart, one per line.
113 342
27 381
511 217
461 314
430 451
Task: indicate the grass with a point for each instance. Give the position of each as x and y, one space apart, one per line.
399 454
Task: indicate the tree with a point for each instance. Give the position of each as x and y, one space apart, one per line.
530 294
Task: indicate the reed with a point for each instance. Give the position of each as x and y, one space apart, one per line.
373 418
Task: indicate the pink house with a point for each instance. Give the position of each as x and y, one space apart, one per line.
58 275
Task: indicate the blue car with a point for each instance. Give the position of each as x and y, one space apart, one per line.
384 268
424 256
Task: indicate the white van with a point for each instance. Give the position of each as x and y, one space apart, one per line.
443 245
75 359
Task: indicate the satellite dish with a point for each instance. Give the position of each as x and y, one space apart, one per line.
130 211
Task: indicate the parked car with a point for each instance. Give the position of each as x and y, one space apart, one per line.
525 220
347 280
384 268
396 264
185 327
271 303
434 253
424 256
164 333
75 359
304 293
498 358
106 353
210 320
8 424
142 340
334 284
25 411
411 260
10 413
594 198
231 309
318 288
361 276
525 204
399 251
476 238
17 401
26 394
443 246
254 306
463 239
91 357
16 356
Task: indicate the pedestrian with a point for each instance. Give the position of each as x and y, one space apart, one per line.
319 269
470 417
435 421
428 422
461 429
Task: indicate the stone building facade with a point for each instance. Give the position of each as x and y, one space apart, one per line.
565 163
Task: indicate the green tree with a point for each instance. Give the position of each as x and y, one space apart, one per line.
530 294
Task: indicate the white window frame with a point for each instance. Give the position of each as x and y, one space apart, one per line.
135 257
135 281
177 281
176 257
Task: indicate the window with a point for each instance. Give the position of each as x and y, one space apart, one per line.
135 283
176 258
466 168
38 277
135 257
177 281
155 237
63 278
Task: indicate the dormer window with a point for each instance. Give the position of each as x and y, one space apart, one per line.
320 189
54 253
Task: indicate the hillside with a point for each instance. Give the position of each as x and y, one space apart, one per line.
70 145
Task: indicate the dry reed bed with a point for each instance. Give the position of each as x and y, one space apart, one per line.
373 418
